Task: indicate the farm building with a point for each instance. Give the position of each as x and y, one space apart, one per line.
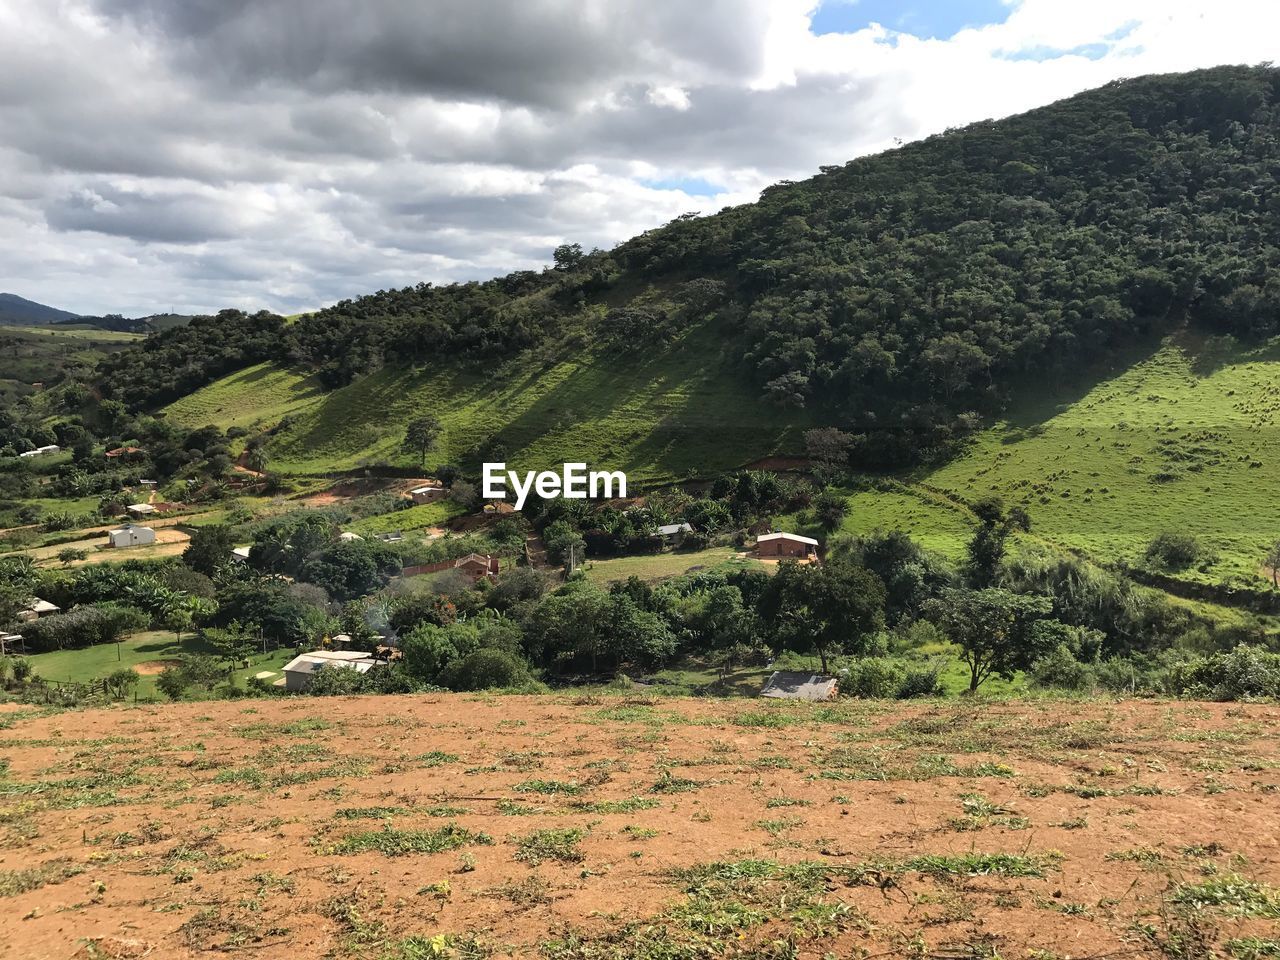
11 643
477 566
786 545
38 608
140 509
121 452
348 537
427 493
240 554
474 565
299 671
147 483
672 534
130 535
790 685
41 451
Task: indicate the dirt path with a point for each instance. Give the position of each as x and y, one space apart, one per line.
631 827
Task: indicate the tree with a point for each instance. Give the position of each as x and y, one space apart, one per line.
70 555
173 682
1273 561
120 682
993 629
824 609
829 509
986 550
232 644
209 549
828 445
420 436
567 256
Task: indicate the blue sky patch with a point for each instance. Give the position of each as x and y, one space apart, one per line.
694 186
939 19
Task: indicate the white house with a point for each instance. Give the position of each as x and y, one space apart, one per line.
130 535
41 451
140 509
427 493
299 671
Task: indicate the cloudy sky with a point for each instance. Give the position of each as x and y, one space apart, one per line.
193 154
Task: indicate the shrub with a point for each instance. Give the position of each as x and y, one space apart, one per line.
920 682
483 669
22 670
82 627
1061 670
873 677
1174 551
1246 671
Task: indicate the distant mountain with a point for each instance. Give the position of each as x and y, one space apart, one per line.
18 310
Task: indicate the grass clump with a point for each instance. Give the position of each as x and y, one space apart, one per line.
398 843
562 846
1232 892
629 805
549 787
14 882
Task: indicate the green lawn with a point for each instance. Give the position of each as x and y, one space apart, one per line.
93 663
417 517
662 565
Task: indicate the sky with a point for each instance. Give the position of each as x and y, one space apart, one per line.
190 155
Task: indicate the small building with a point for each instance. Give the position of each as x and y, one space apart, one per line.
121 452
499 507
240 554
11 643
140 509
786 545
147 483
38 608
41 451
130 535
429 492
395 536
792 685
348 537
299 671
672 534
477 566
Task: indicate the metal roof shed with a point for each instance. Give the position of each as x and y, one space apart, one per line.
791 685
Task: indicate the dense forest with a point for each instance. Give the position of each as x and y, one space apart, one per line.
901 295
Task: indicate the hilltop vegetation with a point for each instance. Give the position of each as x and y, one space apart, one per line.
899 296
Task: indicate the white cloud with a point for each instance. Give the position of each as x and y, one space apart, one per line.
167 154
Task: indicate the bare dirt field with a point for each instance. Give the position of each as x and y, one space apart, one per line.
400 828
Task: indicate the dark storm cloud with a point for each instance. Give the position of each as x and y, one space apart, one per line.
552 53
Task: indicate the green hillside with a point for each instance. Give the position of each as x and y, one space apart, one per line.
1167 445
675 413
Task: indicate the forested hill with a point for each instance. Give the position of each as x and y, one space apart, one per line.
896 295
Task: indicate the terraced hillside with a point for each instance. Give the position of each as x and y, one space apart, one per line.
598 827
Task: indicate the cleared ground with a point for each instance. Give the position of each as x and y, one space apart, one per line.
446 825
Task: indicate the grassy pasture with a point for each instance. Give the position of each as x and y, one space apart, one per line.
254 397
1165 445
674 414
662 565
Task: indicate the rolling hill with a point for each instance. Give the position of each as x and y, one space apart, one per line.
18 310
1074 309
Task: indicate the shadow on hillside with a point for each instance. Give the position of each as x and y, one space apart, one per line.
709 421
1032 404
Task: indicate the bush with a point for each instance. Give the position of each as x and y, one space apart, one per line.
1174 551
485 668
84 626
22 670
1246 671
920 682
1059 669
873 678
